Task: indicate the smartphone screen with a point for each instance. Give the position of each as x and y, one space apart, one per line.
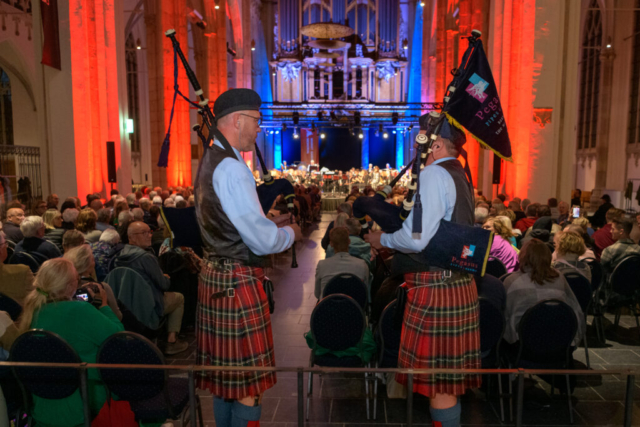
83 297
576 212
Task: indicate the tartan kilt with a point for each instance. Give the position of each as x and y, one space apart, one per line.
440 329
233 331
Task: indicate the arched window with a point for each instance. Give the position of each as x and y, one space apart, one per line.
6 112
634 110
590 78
131 49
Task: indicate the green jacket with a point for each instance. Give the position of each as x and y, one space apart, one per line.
85 328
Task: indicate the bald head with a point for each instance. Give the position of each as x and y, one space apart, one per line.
15 216
139 234
96 205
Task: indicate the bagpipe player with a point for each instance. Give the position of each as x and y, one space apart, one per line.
234 324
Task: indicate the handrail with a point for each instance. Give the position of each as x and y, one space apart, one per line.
630 373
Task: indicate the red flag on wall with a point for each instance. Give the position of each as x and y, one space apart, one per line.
51 45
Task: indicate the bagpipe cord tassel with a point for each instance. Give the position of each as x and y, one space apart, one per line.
417 213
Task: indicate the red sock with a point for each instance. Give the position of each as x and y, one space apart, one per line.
253 424
436 424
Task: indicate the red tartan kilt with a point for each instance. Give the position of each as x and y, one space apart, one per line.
234 331
440 330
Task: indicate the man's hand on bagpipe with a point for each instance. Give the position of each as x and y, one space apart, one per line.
373 238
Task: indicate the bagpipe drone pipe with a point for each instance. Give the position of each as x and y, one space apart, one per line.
185 220
470 100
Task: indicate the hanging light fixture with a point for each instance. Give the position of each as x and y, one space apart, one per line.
295 133
322 135
253 45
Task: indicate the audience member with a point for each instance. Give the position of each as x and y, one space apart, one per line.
69 218
52 201
386 293
124 219
569 248
588 243
169 203
136 256
341 262
541 230
492 289
145 205
131 200
90 198
51 307
120 207
576 198
342 208
34 243
53 227
584 223
96 205
563 214
112 199
622 248
357 246
138 214
501 248
191 201
39 208
152 220
602 238
514 205
181 204
104 219
104 250
481 215
534 282
524 224
16 280
86 224
545 211
525 204
11 226
599 218
553 208
72 239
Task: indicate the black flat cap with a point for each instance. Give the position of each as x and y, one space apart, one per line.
236 100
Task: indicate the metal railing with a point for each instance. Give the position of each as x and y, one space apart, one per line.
16 162
630 375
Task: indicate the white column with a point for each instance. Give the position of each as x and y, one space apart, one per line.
330 83
354 69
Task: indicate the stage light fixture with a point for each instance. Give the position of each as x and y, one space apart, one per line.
296 117
270 132
322 135
356 118
217 6
380 129
393 132
361 135
295 133
284 127
138 44
277 132
421 4
253 45
385 135
394 118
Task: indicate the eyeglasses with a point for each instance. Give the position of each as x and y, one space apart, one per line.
149 232
257 119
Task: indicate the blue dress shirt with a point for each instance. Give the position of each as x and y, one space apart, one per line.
235 186
438 198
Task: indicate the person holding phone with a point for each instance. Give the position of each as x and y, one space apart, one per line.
50 307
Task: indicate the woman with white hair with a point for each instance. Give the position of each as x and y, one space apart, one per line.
84 262
157 200
69 218
169 203
50 306
34 244
104 250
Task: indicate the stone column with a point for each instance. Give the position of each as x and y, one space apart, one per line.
365 82
354 70
330 72
311 71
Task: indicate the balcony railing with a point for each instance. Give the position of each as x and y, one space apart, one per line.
21 166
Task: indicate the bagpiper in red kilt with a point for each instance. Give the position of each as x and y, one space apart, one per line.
440 330
234 331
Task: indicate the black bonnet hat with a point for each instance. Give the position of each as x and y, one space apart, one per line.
236 100
447 131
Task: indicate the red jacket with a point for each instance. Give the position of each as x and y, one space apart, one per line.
525 223
602 239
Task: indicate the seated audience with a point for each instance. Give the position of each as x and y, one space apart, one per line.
11 226
602 238
16 280
501 248
588 243
86 224
552 203
131 200
84 262
564 216
524 224
69 203
96 205
34 243
39 208
124 219
51 307
120 207
481 215
584 223
138 214
569 248
534 282
69 218
104 219
576 197
342 208
104 250
622 247
341 262
52 201
357 246
599 218
145 205
136 256
157 201
72 239
53 230
152 219
514 205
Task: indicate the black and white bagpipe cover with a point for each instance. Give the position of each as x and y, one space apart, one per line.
475 105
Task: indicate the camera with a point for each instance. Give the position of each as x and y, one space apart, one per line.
82 294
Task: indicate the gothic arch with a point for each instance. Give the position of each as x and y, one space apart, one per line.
11 61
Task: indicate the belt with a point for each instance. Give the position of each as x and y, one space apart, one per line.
227 293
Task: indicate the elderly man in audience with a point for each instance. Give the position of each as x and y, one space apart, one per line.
52 201
138 214
53 227
16 280
72 239
145 205
104 218
131 200
136 256
623 246
11 226
481 215
341 262
34 243
603 238
563 214
69 218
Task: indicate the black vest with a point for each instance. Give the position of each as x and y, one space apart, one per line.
463 213
220 239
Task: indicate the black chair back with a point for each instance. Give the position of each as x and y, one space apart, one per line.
495 267
11 248
33 261
347 284
546 332
131 384
337 322
625 279
581 289
596 272
10 306
388 335
492 324
38 345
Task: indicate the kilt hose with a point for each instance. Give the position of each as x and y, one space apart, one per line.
440 329
233 331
